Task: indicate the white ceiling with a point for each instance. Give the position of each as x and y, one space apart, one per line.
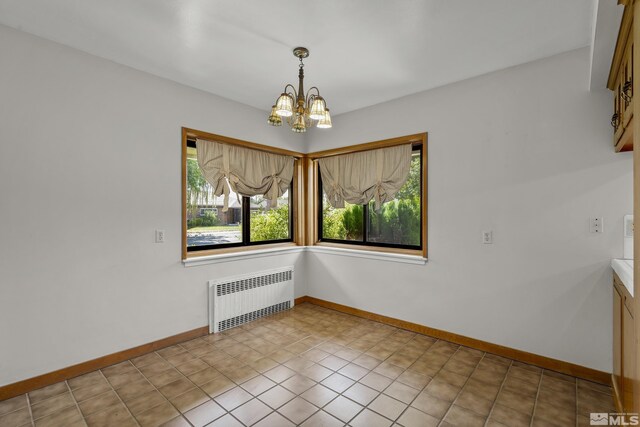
363 52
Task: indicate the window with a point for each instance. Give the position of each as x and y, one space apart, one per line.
399 225
248 221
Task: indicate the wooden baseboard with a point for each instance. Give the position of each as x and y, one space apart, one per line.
511 353
301 300
25 386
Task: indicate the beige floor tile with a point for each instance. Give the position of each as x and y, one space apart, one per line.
155 368
276 397
189 400
118 369
414 418
361 394
431 405
279 374
205 413
442 390
47 392
367 361
414 379
192 366
509 417
157 415
165 377
458 416
518 402
298 384
179 421
84 393
353 371
146 360
317 372
401 392
114 416
99 403
263 365
297 410
342 408
554 414
225 421
376 381
251 412
86 380
333 362
68 417
258 385
16 418
134 390
13 404
118 381
233 398
52 405
274 420
145 402
337 382
179 386
474 403
387 406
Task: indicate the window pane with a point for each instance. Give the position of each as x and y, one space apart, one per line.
269 223
398 221
342 224
206 223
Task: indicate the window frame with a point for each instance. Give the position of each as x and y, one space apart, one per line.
418 140
188 139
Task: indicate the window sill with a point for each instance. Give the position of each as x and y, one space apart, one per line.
238 254
322 248
376 254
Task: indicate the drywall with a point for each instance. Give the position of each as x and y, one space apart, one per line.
525 152
89 167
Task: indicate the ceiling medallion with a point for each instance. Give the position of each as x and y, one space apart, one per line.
300 110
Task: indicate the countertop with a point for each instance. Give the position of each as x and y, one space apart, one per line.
624 270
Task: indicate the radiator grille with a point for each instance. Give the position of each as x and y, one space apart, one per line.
248 317
252 283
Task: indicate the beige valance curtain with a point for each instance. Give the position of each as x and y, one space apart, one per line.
243 170
358 178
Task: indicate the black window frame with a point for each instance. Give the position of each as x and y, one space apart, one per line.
246 223
365 213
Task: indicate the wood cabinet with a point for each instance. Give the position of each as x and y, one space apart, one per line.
621 83
624 348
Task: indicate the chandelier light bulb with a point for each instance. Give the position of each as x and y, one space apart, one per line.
274 118
317 108
325 121
299 125
284 105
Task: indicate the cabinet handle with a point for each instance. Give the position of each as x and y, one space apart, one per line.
615 120
626 92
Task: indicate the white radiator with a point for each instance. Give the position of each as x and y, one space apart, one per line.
236 300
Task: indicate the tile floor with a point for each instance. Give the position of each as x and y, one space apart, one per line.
313 367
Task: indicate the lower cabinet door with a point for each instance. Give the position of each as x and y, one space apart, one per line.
628 360
617 345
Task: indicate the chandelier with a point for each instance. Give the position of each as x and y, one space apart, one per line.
300 110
